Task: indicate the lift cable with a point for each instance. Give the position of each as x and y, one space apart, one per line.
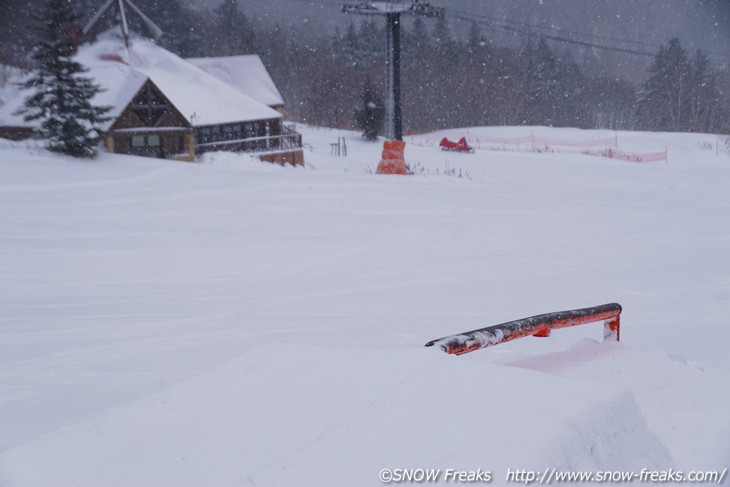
532 30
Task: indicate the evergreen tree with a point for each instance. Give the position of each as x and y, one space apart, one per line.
181 27
233 29
663 102
62 97
371 43
707 108
476 45
612 103
444 41
372 114
15 40
553 87
345 45
417 41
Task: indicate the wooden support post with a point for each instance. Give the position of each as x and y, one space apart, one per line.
109 143
190 146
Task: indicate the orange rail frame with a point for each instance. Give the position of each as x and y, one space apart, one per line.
539 326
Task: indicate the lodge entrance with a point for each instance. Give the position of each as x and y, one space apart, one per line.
147 146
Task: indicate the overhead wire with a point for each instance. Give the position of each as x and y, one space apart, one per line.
559 35
567 36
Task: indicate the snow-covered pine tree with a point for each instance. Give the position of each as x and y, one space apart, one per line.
371 116
61 98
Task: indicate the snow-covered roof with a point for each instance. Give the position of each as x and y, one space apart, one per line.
200 97
245 73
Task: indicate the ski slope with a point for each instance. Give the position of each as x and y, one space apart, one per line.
236 323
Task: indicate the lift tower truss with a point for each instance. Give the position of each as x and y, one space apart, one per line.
392 12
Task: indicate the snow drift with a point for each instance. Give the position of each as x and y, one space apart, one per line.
278 416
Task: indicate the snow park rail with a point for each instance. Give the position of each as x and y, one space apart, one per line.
539 326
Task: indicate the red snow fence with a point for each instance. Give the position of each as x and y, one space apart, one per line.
539 326
532 143
544 141
633 157
393 160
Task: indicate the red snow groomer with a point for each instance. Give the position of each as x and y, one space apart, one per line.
460 146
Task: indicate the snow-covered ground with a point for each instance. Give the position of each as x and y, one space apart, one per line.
236 323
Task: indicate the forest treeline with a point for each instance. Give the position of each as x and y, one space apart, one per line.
448 80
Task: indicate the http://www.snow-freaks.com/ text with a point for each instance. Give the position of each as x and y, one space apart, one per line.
549 476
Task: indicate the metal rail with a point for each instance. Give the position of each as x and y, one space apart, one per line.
539 326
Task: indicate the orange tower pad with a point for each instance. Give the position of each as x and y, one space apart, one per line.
392 161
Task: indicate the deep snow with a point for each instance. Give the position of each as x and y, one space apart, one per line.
239 323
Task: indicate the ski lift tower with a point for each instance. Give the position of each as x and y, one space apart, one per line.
120 7
392 10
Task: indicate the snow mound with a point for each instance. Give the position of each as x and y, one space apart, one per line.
239 160
655 379
295 418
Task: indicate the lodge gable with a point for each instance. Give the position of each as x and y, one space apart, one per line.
149 108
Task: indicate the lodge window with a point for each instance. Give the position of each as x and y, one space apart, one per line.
241 132
218 133
232 132
145 141
149 106
204 135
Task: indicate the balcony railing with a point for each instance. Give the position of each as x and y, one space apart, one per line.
289 140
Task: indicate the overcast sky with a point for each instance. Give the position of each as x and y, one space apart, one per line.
701 24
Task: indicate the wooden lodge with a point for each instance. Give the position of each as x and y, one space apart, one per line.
152 126
166 107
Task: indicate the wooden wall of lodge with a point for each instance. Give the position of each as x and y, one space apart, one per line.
173 142
181 144
295 158
173 145
16 133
